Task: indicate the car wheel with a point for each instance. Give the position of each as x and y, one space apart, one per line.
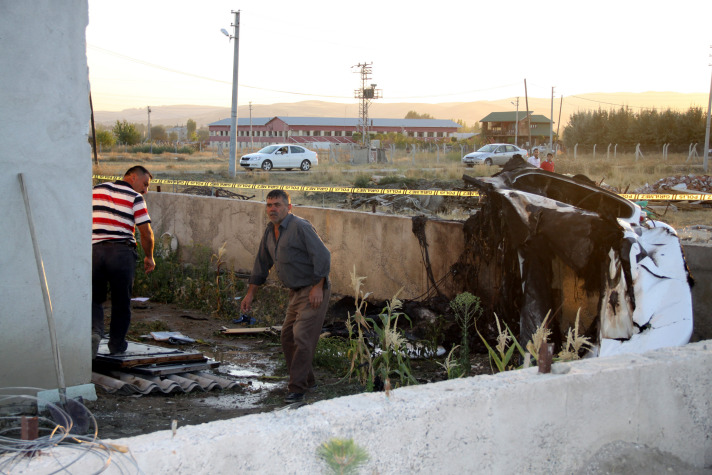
469 165
488 162
266 165
305 166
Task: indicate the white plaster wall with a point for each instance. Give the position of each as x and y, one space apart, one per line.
44 120
514 422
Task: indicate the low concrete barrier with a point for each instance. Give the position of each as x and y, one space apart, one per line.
514 422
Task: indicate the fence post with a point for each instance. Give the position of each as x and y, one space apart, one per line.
608 151
594 150
638 152
615 152
575 148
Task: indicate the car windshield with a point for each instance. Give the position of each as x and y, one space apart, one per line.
269 149
488 148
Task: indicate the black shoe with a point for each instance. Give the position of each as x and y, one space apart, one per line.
294 397
117 349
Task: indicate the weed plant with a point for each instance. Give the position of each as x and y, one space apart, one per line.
342 456
467 309
331 355
205 286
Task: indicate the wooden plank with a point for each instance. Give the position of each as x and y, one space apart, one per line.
251 330
163 370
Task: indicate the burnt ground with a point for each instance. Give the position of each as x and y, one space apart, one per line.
255 362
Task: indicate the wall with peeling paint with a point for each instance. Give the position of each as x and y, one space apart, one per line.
44 119
381 247
513 422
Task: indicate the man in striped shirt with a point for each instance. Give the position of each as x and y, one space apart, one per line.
117 209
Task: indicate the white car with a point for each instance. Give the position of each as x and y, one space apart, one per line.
285 156
493 154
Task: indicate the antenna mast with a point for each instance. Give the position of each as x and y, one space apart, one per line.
366 94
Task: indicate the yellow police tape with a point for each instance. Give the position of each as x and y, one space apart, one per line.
389 191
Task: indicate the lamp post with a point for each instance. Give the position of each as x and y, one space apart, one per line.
233 114
516 123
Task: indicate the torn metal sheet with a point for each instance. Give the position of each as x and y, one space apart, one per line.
543 240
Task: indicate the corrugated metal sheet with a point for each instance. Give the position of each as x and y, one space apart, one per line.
128 384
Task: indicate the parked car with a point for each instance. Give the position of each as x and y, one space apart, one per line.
493 154
285 156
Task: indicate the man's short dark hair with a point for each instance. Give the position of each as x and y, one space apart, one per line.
138 169
549 154
280 194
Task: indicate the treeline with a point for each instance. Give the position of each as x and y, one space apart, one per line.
649 128
125 133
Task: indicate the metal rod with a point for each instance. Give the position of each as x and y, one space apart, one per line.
45 294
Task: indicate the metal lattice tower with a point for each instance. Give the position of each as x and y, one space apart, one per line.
365 94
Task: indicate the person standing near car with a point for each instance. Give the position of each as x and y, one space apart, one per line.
117 209
302 262
548 164
534 159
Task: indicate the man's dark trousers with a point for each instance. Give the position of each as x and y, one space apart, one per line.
113 263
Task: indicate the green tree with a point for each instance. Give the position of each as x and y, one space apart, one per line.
203 134
105 139
158 133
191 126
126 134
415 115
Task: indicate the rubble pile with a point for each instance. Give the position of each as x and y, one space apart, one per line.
680 182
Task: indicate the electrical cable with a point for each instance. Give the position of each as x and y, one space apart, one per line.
55 433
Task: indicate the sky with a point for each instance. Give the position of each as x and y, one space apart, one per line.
168 52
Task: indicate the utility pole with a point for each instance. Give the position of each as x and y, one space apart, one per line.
529 122
706 154
149 128
516 123
252 139
366 94
551 126
233 114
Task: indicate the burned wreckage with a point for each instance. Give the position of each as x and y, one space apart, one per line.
549 243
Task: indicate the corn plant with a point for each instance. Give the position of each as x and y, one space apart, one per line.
359 354
393 359
574 343
451 366
503 352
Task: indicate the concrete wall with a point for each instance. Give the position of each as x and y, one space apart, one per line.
382 248
44 119
514 422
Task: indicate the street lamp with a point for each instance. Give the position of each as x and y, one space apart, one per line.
233 114
516 123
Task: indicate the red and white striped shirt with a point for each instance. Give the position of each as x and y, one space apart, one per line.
116 210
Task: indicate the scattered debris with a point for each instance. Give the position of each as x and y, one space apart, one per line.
217 192
170 337
251 330
145 369
687 183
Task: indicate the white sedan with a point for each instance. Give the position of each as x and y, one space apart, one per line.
285 156
493 154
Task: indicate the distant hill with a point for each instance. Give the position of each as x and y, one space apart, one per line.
469 112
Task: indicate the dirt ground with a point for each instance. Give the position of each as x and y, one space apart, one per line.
255 362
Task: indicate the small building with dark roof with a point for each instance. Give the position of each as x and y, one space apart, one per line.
501 127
